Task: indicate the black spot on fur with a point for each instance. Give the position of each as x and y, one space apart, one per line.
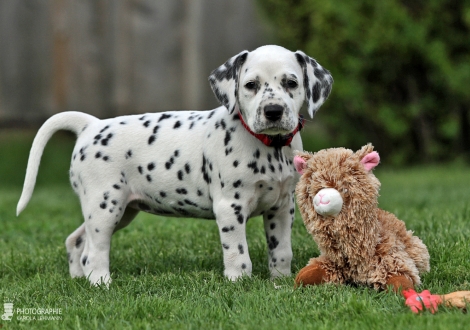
84 259
180 175
152 139
147 123
204 170
104 129
78 242
316 92
169 163
187 201
97 138
98 155
237 183
140 169
187 168
254 166
181 191
105 141
228 137
103 205
151 166
240 249
235 163
164 116
177 124
272 242
225 246
163 194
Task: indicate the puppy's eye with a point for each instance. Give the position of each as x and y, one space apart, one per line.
250 85
292 84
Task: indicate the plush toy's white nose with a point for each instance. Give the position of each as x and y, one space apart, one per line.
328 202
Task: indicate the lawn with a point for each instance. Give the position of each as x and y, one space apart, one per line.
168 272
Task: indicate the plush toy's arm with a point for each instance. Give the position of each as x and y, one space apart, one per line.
458 299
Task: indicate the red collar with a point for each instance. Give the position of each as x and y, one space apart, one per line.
276 141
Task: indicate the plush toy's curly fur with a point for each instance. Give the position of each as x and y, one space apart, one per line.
362 244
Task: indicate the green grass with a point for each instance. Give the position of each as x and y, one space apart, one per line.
168 272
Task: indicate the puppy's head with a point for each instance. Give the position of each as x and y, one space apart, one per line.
269 86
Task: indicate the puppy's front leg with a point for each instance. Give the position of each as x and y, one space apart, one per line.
278 226
231 219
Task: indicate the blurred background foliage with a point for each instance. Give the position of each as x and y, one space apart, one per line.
401 70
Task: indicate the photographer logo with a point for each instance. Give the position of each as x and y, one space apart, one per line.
31 314
7 311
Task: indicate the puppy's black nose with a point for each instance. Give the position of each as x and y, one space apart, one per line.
273 112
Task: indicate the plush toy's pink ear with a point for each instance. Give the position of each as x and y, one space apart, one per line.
299 164
370 160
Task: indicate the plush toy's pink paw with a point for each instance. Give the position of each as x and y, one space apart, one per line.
420 301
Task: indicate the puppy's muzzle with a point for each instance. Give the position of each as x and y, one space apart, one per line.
273 112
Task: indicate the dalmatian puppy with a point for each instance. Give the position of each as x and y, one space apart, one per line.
227 164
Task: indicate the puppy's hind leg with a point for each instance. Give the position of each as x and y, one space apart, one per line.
105 212
75 244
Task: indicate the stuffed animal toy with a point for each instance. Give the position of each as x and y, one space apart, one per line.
359 243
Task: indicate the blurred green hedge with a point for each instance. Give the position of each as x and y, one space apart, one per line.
401 71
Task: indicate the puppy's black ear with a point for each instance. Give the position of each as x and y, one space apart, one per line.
317 82
224 80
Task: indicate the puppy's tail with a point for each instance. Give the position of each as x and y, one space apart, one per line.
70 121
